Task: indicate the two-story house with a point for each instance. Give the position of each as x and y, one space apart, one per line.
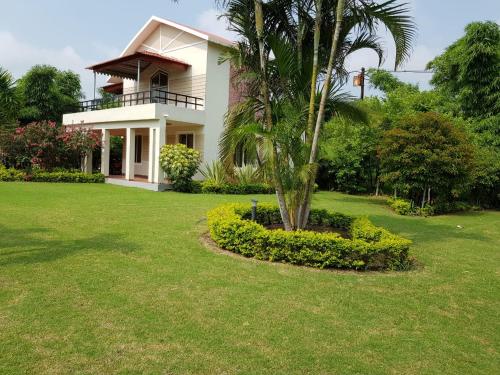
167 87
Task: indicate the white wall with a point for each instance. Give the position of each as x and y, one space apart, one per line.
217 101
171 42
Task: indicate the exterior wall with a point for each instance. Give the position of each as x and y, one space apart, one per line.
141 168
199 138
168 41
218 77
237 90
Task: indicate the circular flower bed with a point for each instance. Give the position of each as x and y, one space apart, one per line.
368 248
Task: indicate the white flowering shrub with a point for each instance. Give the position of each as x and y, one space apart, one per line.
180 163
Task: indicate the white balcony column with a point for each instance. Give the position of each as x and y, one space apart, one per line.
160 139
152 154
87 163
130 154
105 150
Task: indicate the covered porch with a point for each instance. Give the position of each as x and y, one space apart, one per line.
130 152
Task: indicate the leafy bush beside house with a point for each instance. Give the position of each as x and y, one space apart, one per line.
180 163
369 248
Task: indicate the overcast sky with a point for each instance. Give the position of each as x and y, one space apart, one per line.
75 34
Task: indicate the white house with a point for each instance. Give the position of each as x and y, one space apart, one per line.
168 88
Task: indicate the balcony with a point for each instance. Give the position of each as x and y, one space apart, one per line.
157 95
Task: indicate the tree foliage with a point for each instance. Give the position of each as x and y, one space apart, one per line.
348 157
291 57
468 71
47 93
9 99
426 152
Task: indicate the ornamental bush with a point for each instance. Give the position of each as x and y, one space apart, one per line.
11 174
401 206
368 248
180 163
69 176
208 186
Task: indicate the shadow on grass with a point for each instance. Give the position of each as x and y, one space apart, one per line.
38 245
360 199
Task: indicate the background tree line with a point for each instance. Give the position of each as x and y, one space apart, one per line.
442 144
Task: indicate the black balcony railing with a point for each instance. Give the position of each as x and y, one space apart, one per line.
143 97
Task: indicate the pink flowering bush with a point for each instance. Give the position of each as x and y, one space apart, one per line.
46 145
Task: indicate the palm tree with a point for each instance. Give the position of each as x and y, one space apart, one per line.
9 100
293 85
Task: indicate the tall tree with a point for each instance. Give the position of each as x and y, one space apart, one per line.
294 86
48 93
468 71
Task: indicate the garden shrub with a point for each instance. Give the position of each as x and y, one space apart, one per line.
369 248
180 163
73 176
401 206
405 207
11 174
66 176
227 188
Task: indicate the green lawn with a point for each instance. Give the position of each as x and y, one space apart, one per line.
98 279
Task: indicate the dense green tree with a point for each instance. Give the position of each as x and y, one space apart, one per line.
47 93
468 71
348 150
426 156
402 99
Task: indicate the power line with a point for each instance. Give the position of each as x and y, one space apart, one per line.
397 71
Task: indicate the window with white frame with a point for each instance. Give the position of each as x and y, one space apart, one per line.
159 79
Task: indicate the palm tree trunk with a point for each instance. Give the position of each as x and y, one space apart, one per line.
259 26
321 113
314 74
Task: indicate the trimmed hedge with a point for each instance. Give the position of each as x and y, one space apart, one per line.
12 174
406 208
370 247
208 187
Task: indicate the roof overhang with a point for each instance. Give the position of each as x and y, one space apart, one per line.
154 22
127 66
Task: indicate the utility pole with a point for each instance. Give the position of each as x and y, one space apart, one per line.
359 81
362 83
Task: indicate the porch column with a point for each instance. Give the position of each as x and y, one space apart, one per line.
160 139
105 149
87 163
152 154
130 154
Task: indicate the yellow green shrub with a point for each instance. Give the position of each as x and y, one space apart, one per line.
370 247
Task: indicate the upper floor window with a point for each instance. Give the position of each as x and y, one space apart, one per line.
159 79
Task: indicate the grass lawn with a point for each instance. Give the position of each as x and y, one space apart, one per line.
98 279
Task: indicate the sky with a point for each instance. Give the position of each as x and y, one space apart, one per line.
73 34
